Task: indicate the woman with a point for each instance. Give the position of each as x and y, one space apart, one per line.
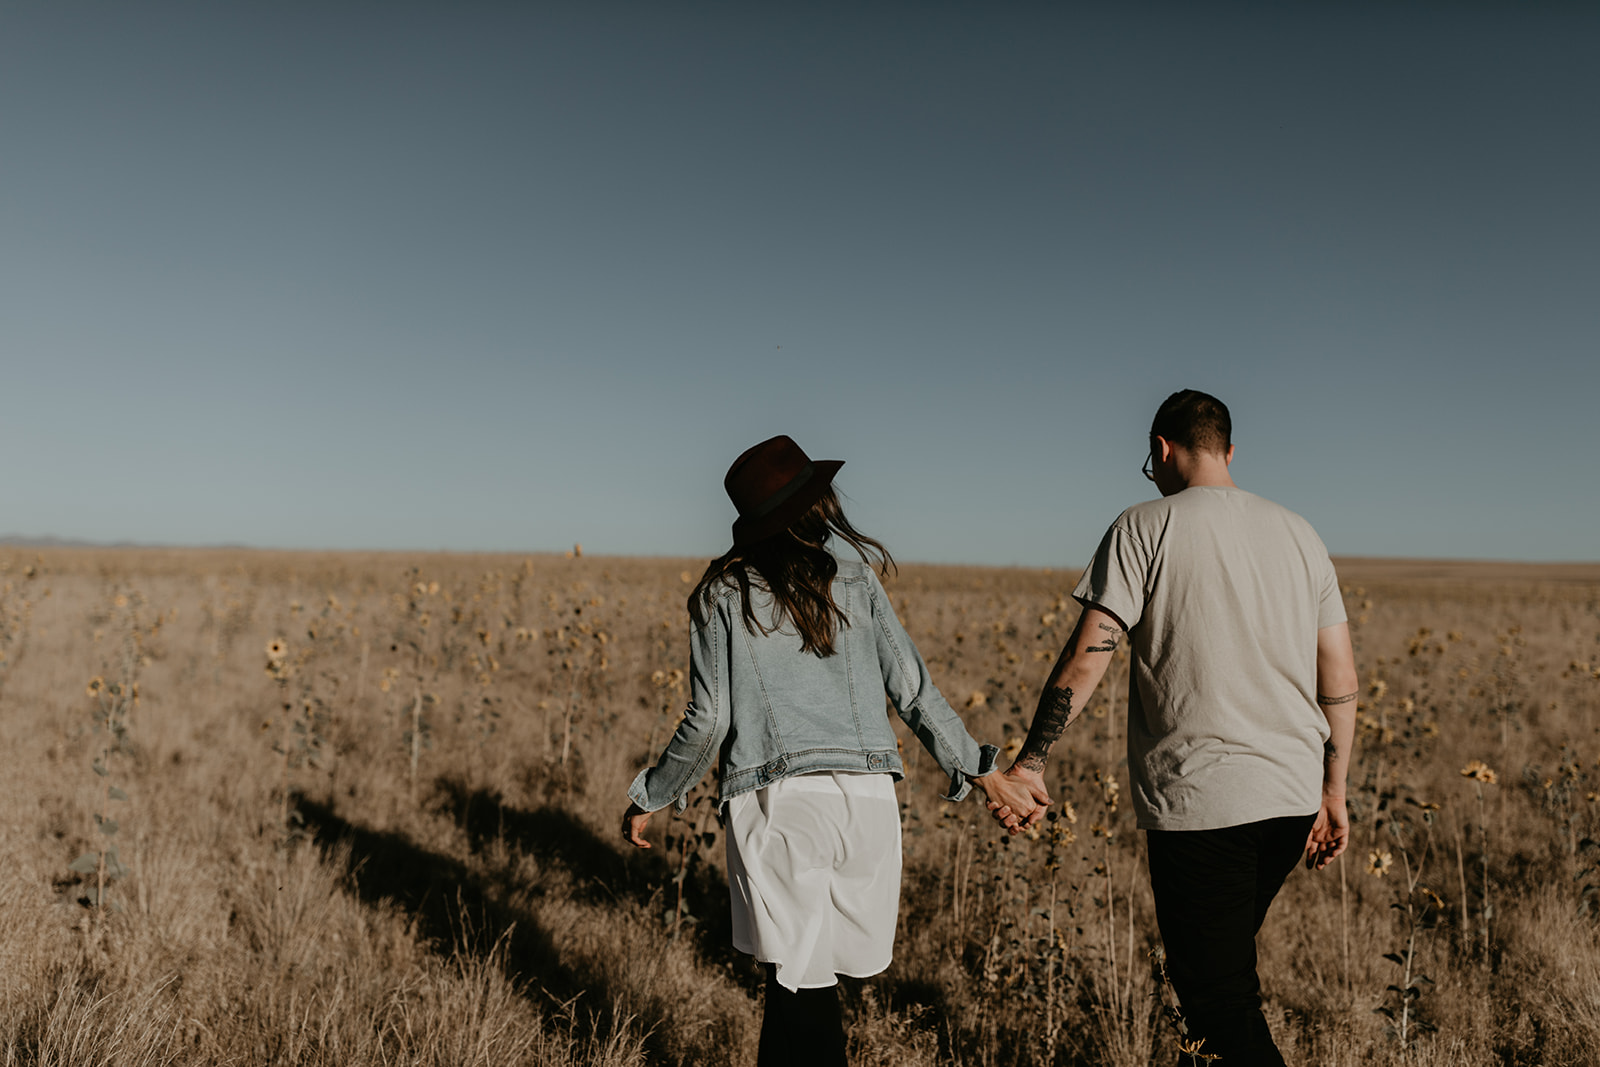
786 644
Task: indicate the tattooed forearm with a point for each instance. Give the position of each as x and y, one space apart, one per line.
1330 701
1055 711
1109 642
1330 751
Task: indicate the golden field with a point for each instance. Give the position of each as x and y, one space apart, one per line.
392 839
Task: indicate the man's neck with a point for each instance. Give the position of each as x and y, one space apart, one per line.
1209 470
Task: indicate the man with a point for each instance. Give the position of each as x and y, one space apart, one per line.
1241 711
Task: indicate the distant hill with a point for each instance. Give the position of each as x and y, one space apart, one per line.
52 541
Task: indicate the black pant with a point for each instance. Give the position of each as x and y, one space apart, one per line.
803 1028
1212 890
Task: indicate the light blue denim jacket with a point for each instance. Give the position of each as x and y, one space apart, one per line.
772 711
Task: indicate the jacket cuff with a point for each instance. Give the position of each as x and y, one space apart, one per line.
639 793
960 781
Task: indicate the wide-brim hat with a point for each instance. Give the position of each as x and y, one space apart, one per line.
773 484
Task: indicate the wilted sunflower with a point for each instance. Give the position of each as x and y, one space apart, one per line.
977 700
1480 771
96 686
1378 863
277 649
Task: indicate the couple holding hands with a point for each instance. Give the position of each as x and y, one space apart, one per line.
1241 719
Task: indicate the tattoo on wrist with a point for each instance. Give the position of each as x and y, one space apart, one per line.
1055 712
1329 701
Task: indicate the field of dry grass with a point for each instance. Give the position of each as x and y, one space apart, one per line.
392 840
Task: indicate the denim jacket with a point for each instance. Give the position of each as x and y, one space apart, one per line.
771 711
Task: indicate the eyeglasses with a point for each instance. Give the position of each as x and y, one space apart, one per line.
1146 469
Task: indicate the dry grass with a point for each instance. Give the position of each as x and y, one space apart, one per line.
291 897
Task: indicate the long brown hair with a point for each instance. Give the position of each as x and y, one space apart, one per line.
796 567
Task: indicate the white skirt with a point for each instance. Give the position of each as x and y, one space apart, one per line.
814 875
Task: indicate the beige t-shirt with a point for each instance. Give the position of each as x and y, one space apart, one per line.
1223 593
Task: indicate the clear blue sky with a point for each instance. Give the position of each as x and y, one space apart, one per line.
511 276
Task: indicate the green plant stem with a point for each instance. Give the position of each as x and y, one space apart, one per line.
1461 874
283 767
1344 922
416 739
1483 825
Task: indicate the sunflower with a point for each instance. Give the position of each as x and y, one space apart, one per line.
277 649
1480 771
96 686
1378 863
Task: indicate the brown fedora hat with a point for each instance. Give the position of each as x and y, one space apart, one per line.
772 484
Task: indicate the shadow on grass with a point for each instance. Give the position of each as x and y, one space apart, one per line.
601 871
454 909
451 906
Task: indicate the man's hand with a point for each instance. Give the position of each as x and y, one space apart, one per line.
1017 797
1329 834
634 820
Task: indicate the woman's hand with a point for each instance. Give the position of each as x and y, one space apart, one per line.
634 820
1016 800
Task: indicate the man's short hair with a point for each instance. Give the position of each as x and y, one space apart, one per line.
1197 421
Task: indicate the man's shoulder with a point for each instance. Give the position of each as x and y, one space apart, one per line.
1208 497
1293 520
1146 513
1201 501
1204 507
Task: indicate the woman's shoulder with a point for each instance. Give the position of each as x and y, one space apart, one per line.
717 595
854 570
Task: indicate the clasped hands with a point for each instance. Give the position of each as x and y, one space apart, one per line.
1017 797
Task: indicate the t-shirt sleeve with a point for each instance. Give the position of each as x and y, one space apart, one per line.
1116 578
1330 605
